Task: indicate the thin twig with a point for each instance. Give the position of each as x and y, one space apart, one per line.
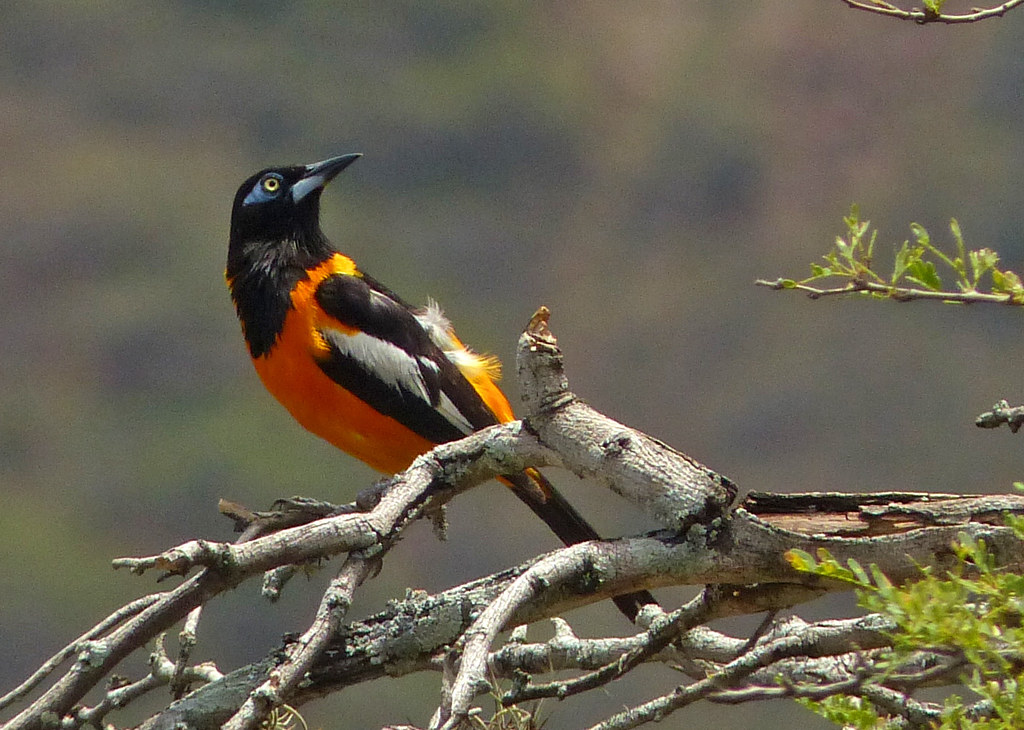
51 664
928 16
897 293
917 714
828 641
663 631
471 679
1000 414
788 689
186 642
162 672
300 655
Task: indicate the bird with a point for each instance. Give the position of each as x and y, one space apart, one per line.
349 359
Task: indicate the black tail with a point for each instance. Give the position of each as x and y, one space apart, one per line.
568 524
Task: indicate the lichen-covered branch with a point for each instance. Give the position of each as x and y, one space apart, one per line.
735 551
1002 413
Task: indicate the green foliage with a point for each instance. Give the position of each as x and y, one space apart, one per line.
916 268
970 618
847 711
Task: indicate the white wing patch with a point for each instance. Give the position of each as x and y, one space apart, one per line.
396 368
388 363
452 414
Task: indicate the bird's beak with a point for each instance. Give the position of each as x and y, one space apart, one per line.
320 173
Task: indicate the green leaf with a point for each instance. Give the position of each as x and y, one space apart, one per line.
923 273
845 711
973 611
858 570
853 219
845 249
999 281
958 236
885 586
903 258
1007 282
801 560
920 234
982 261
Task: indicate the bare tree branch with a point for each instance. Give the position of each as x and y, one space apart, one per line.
928 15
664 630
301 655
737 553
1002 413
77 646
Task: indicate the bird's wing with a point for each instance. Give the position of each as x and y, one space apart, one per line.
379 350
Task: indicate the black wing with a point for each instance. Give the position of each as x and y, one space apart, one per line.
390 362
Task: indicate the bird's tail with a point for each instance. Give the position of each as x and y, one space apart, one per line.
569 525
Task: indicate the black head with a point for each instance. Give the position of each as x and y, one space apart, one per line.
275 238
283 203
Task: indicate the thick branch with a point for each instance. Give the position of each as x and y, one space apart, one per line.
671 487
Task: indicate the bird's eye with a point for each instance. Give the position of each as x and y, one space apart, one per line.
271 184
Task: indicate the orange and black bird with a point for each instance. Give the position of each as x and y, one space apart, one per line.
349 359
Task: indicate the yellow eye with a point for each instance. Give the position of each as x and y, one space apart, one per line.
271 184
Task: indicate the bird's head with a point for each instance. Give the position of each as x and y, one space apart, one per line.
283 203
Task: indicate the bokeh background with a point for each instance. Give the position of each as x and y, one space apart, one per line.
634 166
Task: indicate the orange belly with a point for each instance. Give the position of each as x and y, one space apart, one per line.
290 372
323 407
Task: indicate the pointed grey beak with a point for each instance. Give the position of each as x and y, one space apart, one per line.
320 173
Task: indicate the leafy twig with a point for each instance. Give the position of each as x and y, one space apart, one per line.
915 270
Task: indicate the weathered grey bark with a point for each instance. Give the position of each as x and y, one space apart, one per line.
736 551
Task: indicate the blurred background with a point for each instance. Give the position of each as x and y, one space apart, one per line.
634 166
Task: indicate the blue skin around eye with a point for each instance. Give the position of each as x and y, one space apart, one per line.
258 195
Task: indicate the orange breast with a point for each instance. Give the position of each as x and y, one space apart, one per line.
290 372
